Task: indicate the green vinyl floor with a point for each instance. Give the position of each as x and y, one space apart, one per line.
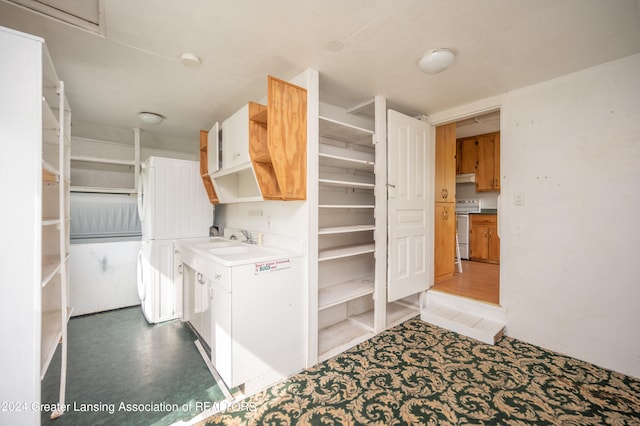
122 370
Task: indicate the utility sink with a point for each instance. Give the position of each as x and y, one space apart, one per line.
231 249
233 252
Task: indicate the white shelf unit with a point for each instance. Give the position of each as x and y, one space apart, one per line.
105 167
35 222
55 312
346 229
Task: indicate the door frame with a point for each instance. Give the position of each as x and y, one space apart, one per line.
471 110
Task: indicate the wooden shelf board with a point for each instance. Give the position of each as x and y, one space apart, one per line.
260 117
345 291
103 190
344 183
339 337
345 251
345 229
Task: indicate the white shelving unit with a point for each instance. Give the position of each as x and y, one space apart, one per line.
95 162
35 223
346 229
55 223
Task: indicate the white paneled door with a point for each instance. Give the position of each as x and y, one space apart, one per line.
409 211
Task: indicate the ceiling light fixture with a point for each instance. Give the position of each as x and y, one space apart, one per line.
150 117
189 59
436 60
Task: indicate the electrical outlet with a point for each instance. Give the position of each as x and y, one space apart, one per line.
255 213
518 199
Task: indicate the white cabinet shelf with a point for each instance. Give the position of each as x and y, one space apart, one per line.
345 229
340 336
344 132
103 190
346 206
345 251
344 292
346 183
51 335
237 184
50 267
36 115
97 160
105 167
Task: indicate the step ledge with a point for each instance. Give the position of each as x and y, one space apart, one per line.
482 329
464 304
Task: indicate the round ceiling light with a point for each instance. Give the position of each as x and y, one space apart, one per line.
436 60
189 59
150 117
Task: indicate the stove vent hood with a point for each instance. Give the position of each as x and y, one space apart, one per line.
466 178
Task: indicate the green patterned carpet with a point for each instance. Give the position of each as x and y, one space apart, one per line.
418 374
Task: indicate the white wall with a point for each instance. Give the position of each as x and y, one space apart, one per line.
569 275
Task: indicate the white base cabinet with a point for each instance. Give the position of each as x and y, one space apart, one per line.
257 328
251 316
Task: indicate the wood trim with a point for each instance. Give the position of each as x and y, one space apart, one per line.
287 137
204 165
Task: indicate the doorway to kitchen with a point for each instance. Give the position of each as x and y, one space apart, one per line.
474 237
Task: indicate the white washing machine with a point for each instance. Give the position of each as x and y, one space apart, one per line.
160 294
172 204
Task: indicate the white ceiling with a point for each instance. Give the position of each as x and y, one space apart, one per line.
361 48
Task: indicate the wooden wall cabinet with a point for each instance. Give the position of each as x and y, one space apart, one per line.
445 196
484 243
488 171
445 176
264 148
466 155
480 155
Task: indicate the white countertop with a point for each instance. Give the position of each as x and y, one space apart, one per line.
232 252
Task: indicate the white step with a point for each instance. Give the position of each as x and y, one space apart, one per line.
473 319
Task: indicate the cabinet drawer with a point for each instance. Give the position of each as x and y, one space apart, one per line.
483 219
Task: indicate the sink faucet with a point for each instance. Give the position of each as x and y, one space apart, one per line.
247 235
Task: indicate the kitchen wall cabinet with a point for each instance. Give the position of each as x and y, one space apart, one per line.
480 155
264 148
488 170
445 172
445 218
466 155
484 243
35 225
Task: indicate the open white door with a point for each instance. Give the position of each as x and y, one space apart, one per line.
409 210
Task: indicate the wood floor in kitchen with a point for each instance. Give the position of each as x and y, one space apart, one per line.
478 280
